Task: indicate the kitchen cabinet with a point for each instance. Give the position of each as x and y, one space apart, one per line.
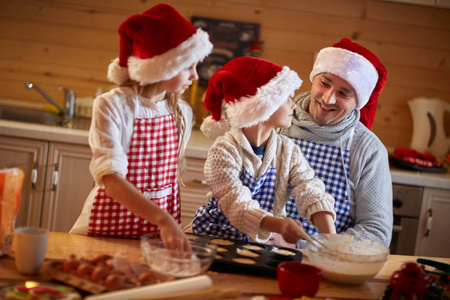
66 194
30 156
193 192
433 237
57 180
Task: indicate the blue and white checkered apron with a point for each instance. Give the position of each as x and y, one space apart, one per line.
329 166
210 220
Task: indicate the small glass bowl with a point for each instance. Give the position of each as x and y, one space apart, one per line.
175 263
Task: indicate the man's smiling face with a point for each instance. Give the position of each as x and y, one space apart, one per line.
332 99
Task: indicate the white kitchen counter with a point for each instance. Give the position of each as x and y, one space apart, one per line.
197 147
43 132
432 180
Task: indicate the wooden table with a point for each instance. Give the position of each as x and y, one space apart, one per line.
61 245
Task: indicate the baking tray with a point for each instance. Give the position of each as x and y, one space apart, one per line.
250 258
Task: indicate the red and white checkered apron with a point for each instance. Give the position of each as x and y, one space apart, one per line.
152 169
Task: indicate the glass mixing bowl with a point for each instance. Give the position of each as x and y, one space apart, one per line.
355 260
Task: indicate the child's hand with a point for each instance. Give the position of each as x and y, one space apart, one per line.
173 236
290 232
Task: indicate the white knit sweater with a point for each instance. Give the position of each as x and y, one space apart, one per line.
232 153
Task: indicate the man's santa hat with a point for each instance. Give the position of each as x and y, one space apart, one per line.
156 45
253 89
360 68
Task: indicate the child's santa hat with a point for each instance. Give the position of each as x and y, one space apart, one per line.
156 45
253 89
360 68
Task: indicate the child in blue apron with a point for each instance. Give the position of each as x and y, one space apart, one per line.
140 129
251 170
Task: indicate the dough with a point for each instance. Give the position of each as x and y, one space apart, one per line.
221 242
252 247
283 252
246 261
247 253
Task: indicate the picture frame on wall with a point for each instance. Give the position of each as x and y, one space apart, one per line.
231 39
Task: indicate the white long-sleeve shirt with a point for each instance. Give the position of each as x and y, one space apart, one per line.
110 136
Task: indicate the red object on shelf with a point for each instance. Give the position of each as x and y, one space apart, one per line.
411 156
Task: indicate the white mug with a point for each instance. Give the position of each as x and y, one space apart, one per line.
29 245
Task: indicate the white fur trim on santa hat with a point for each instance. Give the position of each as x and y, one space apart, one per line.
212 129
170 63
354 68
251 110
116 73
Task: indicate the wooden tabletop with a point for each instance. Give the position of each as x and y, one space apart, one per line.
61 245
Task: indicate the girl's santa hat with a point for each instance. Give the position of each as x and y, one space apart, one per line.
156 45
360 68
253 89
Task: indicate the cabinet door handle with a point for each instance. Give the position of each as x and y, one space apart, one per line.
55 178
429 222
34 175
397 228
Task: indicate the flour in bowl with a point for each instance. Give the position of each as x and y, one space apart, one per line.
171 265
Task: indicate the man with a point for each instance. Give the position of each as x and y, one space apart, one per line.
331 125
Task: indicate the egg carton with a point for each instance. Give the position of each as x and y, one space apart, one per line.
129 273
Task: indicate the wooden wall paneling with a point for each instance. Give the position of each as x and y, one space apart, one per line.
393 122
342 8
392 136
395 115
48 33
426 80
320 31
420 57
429 17
71 43
43 74
58 13
62 66
224 10
412 36
401 94
134 6
57 55
301 62
16 90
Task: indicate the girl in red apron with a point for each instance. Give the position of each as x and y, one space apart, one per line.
140 129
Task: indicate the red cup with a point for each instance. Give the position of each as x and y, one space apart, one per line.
296 279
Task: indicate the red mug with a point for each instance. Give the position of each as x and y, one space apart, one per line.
296 279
